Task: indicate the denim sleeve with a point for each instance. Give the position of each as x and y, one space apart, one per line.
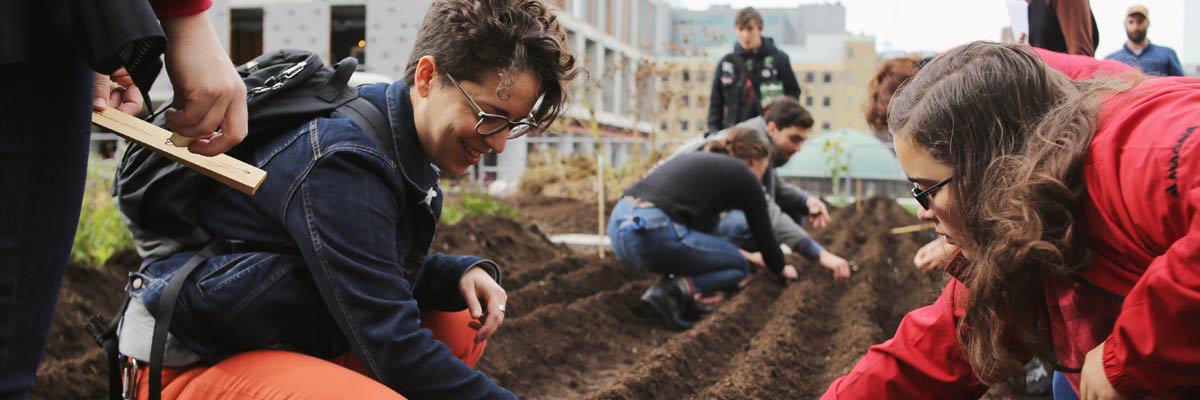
343 217
440 276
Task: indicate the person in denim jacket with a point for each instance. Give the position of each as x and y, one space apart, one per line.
340 258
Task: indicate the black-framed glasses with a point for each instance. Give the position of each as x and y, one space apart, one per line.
923 196
491 124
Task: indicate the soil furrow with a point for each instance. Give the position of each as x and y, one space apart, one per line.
692 360
557 351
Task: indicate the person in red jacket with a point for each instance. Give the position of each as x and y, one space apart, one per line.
1073 203
896 71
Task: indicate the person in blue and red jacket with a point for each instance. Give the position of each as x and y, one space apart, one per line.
1074 204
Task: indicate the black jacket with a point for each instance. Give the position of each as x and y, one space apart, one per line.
747 80
105 34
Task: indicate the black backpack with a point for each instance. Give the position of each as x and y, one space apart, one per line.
158 198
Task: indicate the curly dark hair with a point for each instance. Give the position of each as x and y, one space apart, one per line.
890 75
469 38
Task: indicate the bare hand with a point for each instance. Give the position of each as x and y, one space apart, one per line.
818 211
934 255
477 285
839 267
789 273
1093 382
755 259
117 91
209 94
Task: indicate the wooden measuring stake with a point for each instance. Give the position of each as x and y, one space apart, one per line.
225 169
912 228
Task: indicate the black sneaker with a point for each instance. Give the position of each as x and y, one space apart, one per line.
694 311
666 299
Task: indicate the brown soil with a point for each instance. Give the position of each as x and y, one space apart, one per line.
557 215
74 366
575 328
768 341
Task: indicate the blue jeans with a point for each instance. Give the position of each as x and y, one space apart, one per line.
1062 388
734 229
44 128
649 239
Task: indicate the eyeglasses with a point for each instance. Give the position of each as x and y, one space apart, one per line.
923 196
490 124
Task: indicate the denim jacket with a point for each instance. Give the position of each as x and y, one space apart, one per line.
360 272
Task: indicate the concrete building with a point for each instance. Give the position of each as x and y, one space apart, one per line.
833 72
713 28
647 84
611 38
831 65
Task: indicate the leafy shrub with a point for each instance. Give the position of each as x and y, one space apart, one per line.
100 232
468 204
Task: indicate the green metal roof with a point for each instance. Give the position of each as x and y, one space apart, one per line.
866 157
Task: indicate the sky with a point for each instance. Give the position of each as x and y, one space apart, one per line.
936 25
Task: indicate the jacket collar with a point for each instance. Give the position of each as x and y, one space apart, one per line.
411 159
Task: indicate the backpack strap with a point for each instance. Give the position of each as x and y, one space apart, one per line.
166 310
370 119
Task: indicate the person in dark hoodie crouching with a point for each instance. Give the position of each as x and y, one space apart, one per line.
752 76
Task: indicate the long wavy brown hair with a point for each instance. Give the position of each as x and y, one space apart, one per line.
1016 134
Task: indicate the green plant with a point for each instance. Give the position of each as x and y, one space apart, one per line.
835 159
100 232
468 204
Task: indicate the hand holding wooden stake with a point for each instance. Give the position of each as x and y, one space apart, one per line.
225 169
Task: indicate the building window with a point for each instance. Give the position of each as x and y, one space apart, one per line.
686 101
349 33
808 101
827 77
701 126
663 126
809 76
683 125
702 75
849 52
245 34
825 126
826 101
687 76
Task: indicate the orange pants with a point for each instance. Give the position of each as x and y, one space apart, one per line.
275 374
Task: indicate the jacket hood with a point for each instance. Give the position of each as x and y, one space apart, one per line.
768 47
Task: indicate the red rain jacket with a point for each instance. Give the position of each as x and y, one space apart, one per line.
1142 177
179 8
